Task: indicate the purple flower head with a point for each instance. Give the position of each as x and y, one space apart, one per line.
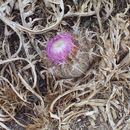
59 47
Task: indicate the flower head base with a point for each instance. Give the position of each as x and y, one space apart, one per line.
60 47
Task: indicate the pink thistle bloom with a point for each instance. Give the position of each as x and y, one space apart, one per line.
60 47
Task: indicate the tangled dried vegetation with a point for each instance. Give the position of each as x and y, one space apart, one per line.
32 97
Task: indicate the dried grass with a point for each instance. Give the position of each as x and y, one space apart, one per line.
98 99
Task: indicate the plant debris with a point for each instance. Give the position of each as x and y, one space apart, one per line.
90 92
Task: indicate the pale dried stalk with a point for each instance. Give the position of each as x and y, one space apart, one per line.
62 95
4 126
81 14
12 117
23 59
13 88
12 25
28 87
97 5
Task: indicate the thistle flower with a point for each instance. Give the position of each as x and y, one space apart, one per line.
60 47
71 55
